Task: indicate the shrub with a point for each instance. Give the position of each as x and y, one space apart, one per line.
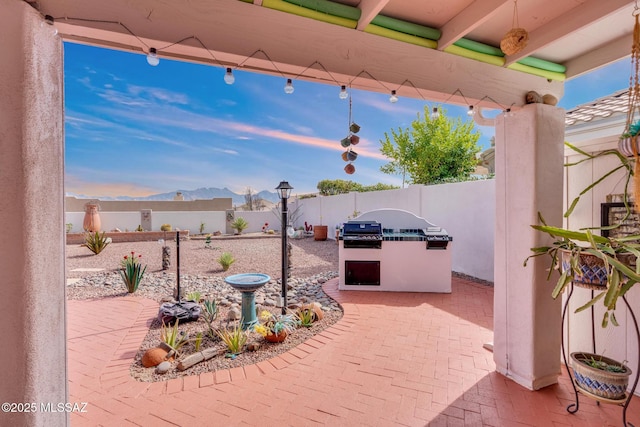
69 227
202 225
239 224
225 260
194 296
165 227
96 242
132 272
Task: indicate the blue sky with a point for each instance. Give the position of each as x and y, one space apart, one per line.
135 130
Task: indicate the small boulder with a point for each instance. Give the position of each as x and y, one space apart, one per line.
153 357
253 346
163 368
234 314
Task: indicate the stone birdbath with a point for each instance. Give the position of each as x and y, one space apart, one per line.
248 284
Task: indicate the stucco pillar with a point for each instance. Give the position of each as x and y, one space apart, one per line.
529 179
32 285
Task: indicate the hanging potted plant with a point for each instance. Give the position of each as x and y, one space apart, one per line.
608 264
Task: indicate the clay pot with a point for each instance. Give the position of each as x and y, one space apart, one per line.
276 338
91 221
153 357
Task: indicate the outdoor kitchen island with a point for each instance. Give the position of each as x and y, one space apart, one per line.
394 250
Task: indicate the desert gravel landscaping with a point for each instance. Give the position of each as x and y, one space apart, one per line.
92 276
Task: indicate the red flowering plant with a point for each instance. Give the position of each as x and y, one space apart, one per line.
265 227
132 271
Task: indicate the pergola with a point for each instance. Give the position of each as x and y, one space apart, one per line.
265 36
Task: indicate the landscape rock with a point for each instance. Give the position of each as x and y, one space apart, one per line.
163 368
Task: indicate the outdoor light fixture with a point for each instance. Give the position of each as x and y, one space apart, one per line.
284 189
48 19
228 77
393 98
435 114
343 92
152 57
288 88
471 111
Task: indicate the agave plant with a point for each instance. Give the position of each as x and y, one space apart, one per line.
235 338
132 272
96 242
240 224
225 260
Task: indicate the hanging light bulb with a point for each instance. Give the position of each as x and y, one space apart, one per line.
49 21
343 92
228 77
471 111
288 88
507 112
393 98
434 113
152 57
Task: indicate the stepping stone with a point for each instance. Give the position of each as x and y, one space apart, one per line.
88 269
72 281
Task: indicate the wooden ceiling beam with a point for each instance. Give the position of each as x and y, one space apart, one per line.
603 55
370 9
474 15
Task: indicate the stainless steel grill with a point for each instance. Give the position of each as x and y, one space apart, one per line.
362 234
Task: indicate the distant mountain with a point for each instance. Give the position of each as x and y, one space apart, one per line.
198 194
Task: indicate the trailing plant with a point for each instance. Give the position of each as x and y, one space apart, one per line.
194 296
171 336
235 338
225 260
165 227
132 271
620 256
272 324
96 242
240 224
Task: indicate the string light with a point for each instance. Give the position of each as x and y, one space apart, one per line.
153 60
48 20
228 77
288 88
152 57
343 92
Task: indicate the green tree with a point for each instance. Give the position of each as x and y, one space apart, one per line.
328 187
432 150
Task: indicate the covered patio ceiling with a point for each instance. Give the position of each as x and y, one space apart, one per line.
264 36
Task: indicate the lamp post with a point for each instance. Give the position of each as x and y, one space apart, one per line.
285 191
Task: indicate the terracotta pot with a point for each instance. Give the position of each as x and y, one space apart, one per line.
320 232
91 221
276 338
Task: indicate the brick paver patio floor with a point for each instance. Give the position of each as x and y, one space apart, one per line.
395 359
